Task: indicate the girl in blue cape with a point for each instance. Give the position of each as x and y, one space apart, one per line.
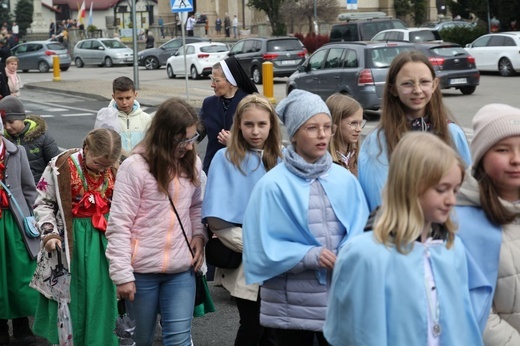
412 101
488 209
406 282
254 149
298 216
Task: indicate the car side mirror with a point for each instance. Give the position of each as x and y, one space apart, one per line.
301 68
468 45
101 48
231 53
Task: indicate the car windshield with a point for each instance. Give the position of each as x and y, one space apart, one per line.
283 45
113 44
55 46
448 51
383 56
213 49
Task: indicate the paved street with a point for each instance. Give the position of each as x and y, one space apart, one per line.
70 106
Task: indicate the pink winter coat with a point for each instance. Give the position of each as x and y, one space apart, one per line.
144 235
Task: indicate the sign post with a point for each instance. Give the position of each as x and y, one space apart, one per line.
182 7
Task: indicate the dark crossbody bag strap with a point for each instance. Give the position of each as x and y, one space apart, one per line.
182 227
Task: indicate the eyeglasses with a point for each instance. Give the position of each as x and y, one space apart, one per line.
313 131
355 124
216 80
184 143
409 87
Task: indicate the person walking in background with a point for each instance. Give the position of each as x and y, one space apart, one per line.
412 101
235 24
5 52
488 214
74 198
14 81
254 148
153 267
150 40
298 216
230 84
190 24
30 132
52 28
406 282
18 299
161 26
347 115
218 25
227 25
124 114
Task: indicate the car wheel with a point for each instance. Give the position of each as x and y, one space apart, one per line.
79 63
108 62
169 71
43 67
64 68
505 67
257 75
151 63
193 72
468 90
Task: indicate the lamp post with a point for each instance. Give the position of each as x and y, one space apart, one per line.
315 19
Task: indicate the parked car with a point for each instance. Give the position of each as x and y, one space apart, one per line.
409 34
38 55
154 58
286 54
357 69
362 26
454 67
497 52
450 24
200 58
102 52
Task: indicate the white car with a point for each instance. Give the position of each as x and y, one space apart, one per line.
497 52
413 35
200 57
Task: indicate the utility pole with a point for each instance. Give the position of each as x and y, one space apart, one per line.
315 19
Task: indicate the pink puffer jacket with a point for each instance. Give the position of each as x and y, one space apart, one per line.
144 235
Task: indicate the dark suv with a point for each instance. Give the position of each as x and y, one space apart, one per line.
357 69
286 54
363 29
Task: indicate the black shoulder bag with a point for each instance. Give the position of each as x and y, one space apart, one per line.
200 292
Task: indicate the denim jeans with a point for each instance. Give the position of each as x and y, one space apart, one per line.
171 294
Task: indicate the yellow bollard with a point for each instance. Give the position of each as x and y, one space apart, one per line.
268 82
56 68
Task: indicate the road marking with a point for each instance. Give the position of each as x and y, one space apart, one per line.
75 114
52 106
47 115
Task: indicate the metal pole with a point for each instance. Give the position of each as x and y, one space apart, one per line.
489 17
315 19
134 39
184 17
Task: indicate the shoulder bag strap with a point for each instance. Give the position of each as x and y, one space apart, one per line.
182 227
11 197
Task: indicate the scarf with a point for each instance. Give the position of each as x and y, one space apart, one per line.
13 82
301 168
4 200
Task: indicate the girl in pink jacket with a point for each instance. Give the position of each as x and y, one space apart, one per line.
150 261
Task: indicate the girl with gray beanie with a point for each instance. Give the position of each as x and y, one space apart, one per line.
300 213
488 213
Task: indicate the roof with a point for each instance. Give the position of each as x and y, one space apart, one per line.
97 5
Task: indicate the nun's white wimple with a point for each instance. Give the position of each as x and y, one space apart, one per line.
227 73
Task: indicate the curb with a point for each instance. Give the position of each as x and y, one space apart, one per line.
70 92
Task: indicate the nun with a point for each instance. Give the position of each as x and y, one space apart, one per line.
230 84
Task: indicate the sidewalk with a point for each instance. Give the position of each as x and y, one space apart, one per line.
149 94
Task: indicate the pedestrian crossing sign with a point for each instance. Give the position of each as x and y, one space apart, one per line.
181 6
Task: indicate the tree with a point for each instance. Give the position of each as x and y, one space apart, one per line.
402 8
5 16
272 9
23 14
419 11
296 11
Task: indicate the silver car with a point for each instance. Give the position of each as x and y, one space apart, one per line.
38 55
102 52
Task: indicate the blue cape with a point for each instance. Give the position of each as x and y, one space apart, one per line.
378 296
373 166
482 240
275 228
227 189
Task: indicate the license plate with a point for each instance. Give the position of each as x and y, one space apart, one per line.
289 62
458 81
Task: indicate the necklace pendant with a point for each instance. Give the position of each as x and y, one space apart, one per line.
437 329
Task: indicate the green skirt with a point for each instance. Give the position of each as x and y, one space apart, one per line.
17 299
93 305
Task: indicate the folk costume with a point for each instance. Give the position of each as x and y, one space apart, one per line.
73 205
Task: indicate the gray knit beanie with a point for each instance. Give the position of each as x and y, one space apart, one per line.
298 107
491 124
12 108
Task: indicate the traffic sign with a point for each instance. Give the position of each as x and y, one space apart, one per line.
352 4
181 6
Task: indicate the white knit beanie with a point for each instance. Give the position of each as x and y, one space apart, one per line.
298 107
491 124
